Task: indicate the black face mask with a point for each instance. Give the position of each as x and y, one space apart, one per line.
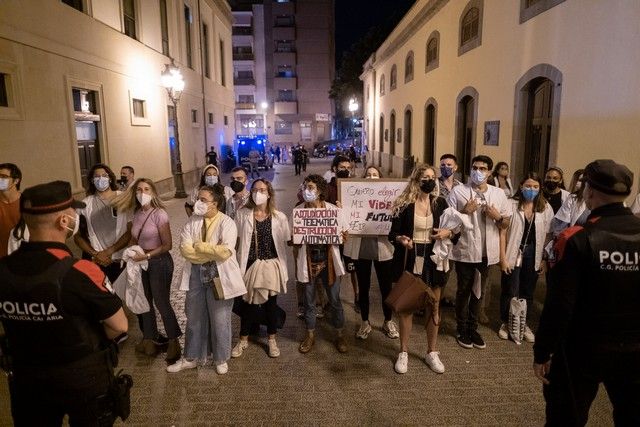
236 186
427 185
551 185
342 174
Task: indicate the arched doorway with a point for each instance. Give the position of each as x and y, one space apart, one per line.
408 113
536 117
467 110
381 134
429 131
392 139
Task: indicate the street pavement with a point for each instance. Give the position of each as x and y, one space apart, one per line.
494 386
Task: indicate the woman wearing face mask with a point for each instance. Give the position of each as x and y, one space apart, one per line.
553 188
263 235
573 211
210 177
151 231
521 255
320 262
212 279
414 228
500 178
364 251
104 232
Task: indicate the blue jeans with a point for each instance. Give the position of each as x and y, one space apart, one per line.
333 293
208 329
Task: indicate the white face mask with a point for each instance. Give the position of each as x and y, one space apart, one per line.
144 198
478 177
211 180
101 183
4 184
74 230
259 198
200 208
309 195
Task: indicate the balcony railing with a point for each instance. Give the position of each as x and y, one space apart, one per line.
243 56
244 81
242 31
245 105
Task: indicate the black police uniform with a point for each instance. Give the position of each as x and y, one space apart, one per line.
590 325
51 306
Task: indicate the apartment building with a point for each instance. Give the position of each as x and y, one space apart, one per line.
283 66
80 83
535 83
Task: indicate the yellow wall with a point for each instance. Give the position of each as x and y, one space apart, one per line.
52 47
593 43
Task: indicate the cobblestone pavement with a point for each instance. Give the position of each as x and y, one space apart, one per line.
494 386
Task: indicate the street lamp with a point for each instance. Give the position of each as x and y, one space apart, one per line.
173 81
353 107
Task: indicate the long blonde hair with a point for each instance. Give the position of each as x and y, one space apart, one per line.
411 192
127 201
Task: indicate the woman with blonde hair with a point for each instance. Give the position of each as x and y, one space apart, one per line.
151 231
263 233
414 229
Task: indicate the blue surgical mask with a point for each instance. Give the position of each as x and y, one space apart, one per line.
446 171
478 177
101 183
529 193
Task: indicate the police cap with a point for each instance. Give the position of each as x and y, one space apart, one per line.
609 177
47 198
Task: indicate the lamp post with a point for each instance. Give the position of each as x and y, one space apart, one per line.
173 81
353 107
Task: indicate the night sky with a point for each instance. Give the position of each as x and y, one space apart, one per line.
355 17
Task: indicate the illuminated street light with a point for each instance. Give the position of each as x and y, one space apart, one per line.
173 81
264 105
353 105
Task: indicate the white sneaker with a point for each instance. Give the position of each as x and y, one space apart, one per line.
239 348
182 364
391 329
402 364
529 335
503 333
364 331
433 361
274 351
222 368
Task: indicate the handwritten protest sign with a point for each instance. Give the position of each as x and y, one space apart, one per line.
367 204
316 226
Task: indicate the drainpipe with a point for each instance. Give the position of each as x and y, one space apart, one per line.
205 118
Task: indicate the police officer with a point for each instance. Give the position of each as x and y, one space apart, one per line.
589 330
59 317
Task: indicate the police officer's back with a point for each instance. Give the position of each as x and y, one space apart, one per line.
59 318
590 326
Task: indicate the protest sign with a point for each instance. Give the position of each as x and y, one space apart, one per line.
316 226
367 204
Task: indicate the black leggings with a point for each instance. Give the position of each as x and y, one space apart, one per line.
383 272
250 316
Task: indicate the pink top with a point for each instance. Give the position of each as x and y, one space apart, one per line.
149 238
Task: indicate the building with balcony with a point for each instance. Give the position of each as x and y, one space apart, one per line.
80 84
534 83
288 77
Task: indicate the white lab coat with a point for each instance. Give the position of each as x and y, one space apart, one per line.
352 247
128 286
280 232
517 229
455 221
226 234
469 247
121 226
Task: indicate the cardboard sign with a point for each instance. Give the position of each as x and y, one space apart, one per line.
317 226
367 204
